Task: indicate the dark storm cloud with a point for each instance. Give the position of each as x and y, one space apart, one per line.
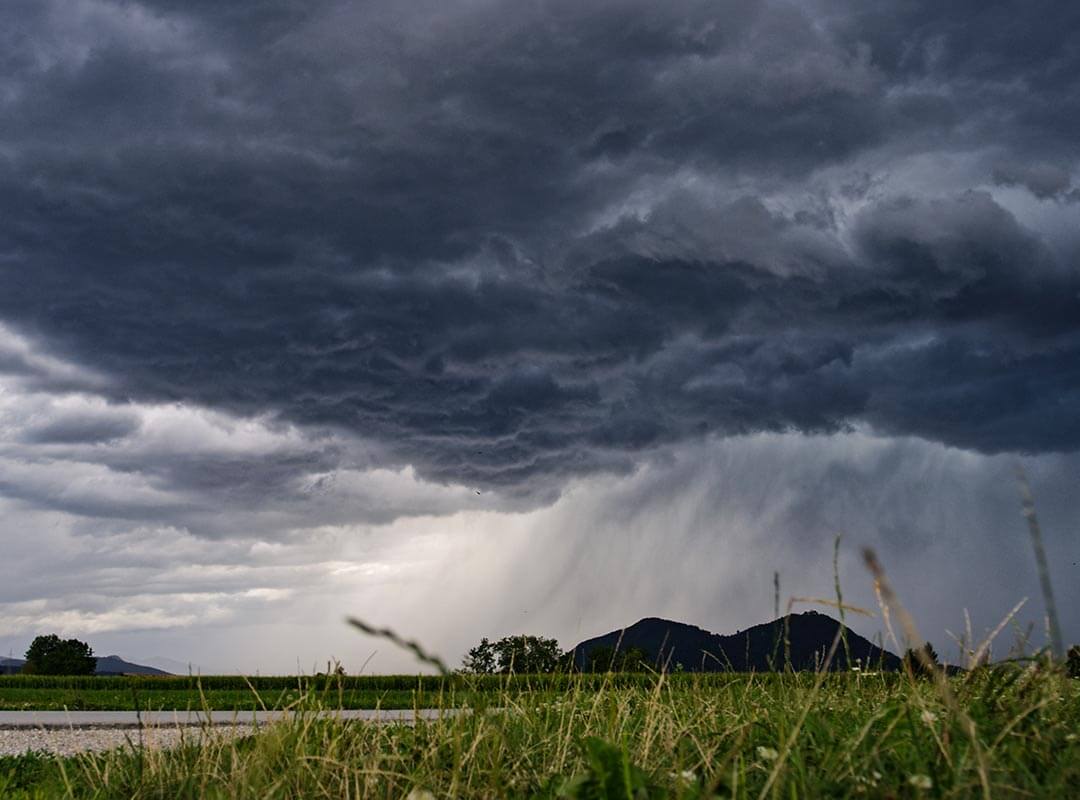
509 241
82 429
1040 178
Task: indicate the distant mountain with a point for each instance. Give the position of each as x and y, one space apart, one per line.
759 649
114 665
106 665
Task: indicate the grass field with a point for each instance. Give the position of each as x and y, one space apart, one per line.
1005 732
236 693
156 700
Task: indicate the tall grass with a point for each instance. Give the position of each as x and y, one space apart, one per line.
751 736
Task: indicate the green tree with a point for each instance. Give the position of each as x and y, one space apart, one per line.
605 659
922 662
51 655
522 654
527 654
480 660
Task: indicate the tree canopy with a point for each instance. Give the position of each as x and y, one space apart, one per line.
607 659
522 654
537 654
51 655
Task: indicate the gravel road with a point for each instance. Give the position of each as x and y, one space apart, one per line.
163 719
70 732
69 741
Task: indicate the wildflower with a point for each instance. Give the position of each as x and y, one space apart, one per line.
687 776
864 781
929 717
921 781
767 753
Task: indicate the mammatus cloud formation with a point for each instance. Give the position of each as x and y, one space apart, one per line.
291 275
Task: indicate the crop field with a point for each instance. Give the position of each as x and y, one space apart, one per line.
26 699
1007 731
236 693
24 693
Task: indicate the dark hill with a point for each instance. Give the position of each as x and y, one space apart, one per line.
757 649
114 665
106 665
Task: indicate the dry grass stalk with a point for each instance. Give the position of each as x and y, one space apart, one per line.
886 593
408 644
1056 644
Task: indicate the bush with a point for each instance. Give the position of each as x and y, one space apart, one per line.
1072 661
605 659
922 662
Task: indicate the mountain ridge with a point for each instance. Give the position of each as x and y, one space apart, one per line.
760 648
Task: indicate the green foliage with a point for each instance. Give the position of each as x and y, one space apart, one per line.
353 691
32 774
51 655
527 654
923 662
556 681
535 655
610 775
607 659
1072 661
481 660
22 698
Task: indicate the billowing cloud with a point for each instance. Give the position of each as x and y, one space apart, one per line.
274 271
481 235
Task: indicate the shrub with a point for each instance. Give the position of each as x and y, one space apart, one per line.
922 662
605 659
1072 661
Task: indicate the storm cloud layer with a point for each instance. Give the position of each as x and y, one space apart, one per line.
517 242
273 269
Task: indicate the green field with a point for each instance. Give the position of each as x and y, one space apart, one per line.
23 699
236 693
1003 732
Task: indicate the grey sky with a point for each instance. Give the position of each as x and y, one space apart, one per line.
416 310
